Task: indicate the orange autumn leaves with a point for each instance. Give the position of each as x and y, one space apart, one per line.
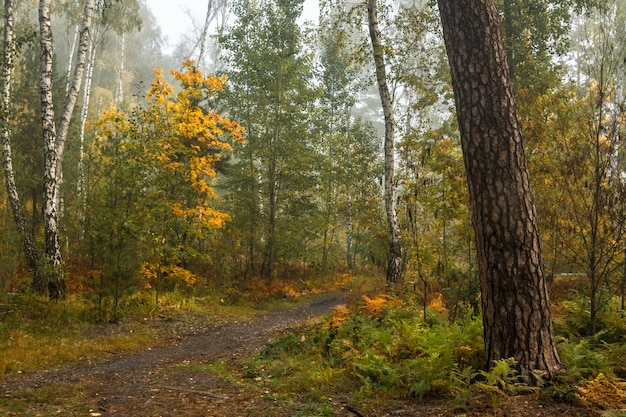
179 139
156 166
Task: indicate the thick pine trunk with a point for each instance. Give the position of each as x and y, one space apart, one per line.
516 309
394 266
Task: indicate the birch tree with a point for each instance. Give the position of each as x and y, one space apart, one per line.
7 152
394 266
122 18
54 142
217 11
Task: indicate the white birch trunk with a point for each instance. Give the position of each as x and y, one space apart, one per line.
54 144
7 159
119 97
81 191
70 58
217 11
394 267
205 32
52 245
72 96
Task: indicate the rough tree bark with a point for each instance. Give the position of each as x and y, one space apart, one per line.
516 309
394 266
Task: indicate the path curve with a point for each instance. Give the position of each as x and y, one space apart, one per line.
162 381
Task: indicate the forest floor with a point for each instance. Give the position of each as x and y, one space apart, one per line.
199 373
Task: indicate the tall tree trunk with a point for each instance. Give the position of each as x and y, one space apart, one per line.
80 187
32 256
270 249
205 32
54 144
119 97
349 227
72 96
516 310
56 282
70 58
394 266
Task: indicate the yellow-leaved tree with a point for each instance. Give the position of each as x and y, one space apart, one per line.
149 209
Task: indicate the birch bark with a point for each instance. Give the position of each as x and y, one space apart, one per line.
17 209
395 263
80 187
54 143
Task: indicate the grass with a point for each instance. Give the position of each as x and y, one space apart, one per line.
47 401
377 350
37 334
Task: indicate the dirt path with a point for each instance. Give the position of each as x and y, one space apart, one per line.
172 380
183 378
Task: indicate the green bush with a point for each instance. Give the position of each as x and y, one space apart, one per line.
583 359
610 322
392 353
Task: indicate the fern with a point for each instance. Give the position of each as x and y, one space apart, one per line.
503 380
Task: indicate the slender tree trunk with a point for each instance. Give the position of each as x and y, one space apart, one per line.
253 208
54 144
349 231
516 310
623 286
394 266
205 31
70 58
273 177
119 97
72 96
270 254
80 187
32 255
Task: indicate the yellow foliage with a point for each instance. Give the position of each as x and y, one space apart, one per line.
180 274
178 136
374 305
177 210
339 315
342 281
148 272
437 305
151 271
604 392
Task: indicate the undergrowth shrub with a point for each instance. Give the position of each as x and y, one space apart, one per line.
583 359
503 380
606 393
610 322
259 290
383 347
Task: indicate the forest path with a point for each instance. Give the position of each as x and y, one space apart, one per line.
173 380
